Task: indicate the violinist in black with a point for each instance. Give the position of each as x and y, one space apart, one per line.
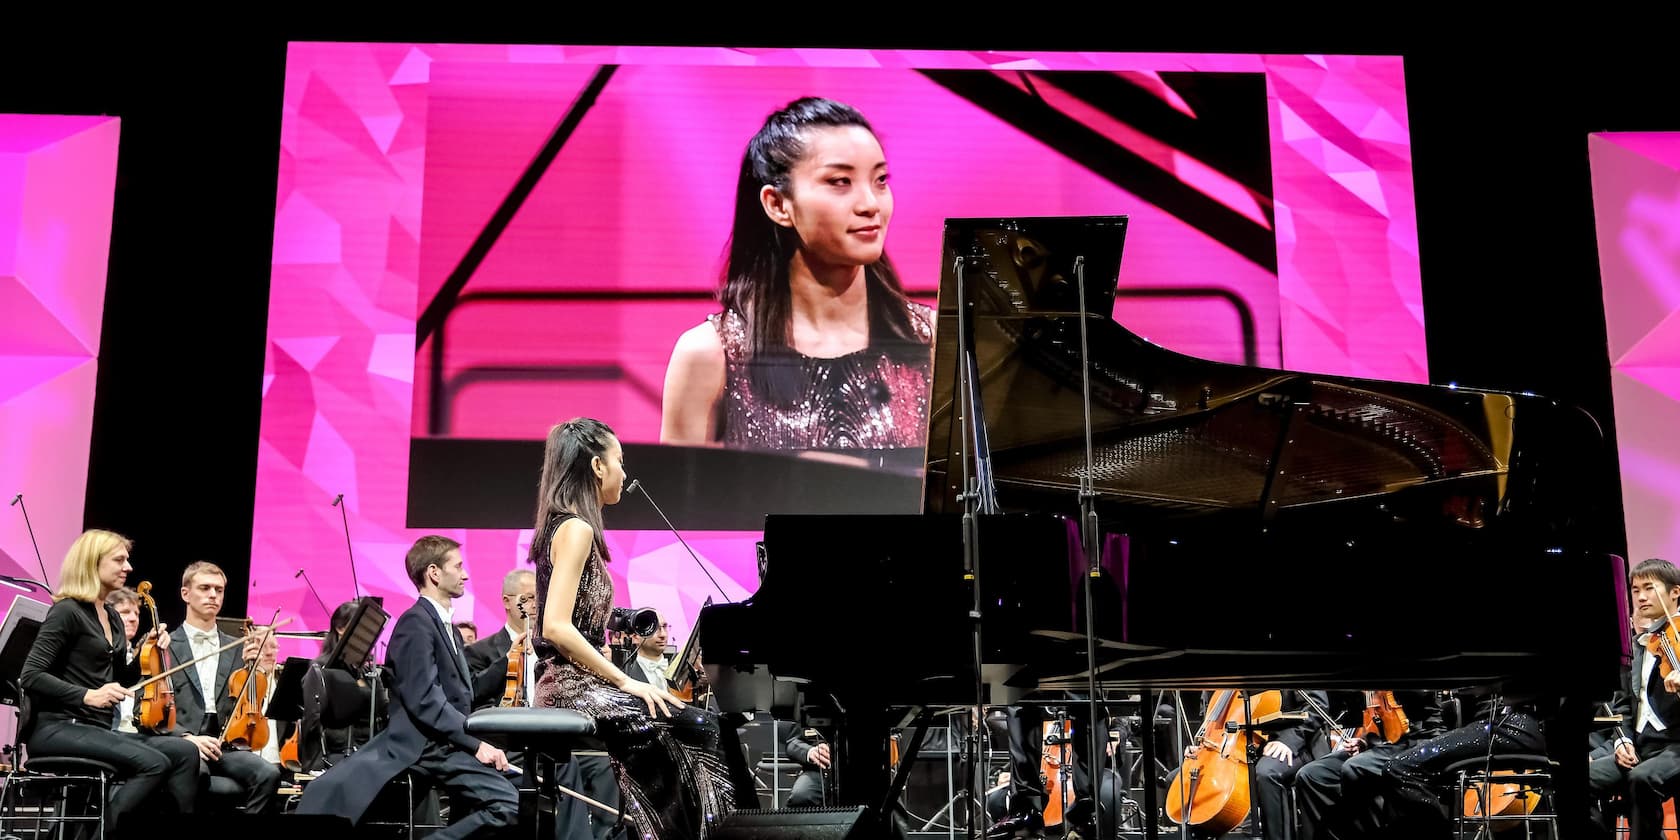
77 672
1336 795
1646 764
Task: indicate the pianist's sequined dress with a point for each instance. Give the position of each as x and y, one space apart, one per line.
870 399
672 779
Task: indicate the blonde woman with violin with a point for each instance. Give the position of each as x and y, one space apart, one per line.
80 668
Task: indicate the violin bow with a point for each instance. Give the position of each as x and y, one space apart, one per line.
188 664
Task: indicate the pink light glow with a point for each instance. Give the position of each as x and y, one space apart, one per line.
394 154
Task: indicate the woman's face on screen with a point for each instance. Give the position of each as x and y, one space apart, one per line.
838 199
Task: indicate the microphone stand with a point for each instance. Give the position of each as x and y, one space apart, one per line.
979 496
18 501
355 582
1090 539
630 490
311 584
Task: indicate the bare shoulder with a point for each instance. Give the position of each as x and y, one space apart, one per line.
699 347
573 538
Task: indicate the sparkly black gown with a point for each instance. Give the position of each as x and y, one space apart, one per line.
671 775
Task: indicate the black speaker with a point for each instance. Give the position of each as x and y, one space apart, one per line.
853 823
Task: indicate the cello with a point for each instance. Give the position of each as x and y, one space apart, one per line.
247 728
154 705
1211 789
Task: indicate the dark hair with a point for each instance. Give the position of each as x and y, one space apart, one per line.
466 625
568 481
340 618
1657 569
755 276
429 550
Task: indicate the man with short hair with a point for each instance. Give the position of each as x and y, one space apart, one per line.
127 604
203 705
469 632
1646 752
428 728
491 653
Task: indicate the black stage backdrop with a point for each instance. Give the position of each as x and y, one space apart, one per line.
1499 125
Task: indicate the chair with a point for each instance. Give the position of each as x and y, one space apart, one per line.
1535 773
63 776
408 784
546 736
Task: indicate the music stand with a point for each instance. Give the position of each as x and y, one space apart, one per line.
354 650
287 702
17 637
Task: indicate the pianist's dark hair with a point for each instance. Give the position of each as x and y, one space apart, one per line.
568 480
755 277
1657 569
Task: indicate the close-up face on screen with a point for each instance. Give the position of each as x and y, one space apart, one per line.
733 259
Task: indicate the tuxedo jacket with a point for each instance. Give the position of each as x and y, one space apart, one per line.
430 702
194 702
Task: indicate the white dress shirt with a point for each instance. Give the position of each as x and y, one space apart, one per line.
654 669
204 644
447 615
1648 715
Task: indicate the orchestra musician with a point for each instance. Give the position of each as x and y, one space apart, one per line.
1027 790
468 631
490 654
79 668
1646 750
427 732
127 605
674 773
338 706
203 704
1337 794
1416 784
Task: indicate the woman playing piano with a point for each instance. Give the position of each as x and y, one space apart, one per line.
817 346
672 772
76 674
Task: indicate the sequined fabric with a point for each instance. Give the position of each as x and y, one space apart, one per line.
862 400
1420 780
670 773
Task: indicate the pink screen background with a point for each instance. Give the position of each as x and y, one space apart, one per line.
57 181
1636 202
394 155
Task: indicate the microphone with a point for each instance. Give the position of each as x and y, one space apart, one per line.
19 498
635 485
337 500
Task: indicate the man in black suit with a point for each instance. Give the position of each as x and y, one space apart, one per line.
1646 752
647 663
202 702
428 729
519 592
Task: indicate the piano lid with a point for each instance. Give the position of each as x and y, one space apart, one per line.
1172 432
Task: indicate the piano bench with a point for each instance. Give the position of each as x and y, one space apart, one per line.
547 737
1534 772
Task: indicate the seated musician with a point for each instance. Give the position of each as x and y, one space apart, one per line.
468 631
127 605
490 654
1286 751
79 668
1647 750
1336 795
1606 778
203 704
339 709
428 729
808 749
1027 796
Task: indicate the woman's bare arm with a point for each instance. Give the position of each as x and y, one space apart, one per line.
693 385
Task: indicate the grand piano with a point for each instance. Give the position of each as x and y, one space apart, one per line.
1259 528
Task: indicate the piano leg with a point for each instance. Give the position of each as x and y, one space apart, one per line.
1566 743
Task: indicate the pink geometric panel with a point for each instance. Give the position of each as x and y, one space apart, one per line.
354 252
1636 201
57 176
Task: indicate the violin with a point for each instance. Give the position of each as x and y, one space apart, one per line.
154 706
247 728
513 695
1384 716
1211 789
